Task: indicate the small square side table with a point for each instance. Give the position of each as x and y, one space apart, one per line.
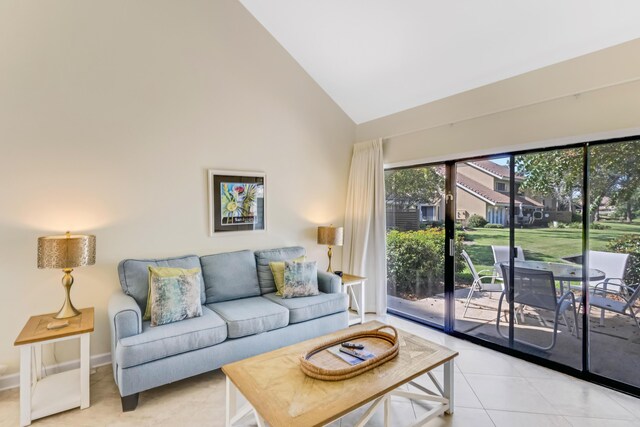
45 395
348 281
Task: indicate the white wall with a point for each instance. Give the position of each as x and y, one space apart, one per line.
593 96
110 114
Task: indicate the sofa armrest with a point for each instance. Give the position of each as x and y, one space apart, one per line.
329 283
125 320
124 315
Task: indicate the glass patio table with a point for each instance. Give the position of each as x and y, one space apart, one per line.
561 272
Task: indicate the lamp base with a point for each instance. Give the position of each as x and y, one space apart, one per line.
67 310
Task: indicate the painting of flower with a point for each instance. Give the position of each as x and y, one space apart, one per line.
239 202
236 201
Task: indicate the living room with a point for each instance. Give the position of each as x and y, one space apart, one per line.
113 114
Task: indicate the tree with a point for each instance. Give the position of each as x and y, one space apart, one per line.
409 187
613 172
556 174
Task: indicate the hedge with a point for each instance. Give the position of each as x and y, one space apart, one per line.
415 261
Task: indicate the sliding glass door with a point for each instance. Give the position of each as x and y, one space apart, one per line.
416 242
482 225
536 253
614 250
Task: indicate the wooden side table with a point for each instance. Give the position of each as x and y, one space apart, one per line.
348 281
45 395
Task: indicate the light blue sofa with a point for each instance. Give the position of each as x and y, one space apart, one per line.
241 317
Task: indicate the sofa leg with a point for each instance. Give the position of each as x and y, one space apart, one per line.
129 403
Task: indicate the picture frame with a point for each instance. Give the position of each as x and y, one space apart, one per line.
237 202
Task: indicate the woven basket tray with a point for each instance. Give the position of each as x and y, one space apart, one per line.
320 364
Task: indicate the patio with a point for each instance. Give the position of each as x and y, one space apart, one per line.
619 335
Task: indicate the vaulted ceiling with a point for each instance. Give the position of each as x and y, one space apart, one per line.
379 57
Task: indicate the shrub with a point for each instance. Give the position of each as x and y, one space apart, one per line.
490 225
431 224
476 221
593 225
415 261
628 244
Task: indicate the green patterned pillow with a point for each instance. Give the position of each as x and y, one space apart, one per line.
173 297
277 269
300 279
164 272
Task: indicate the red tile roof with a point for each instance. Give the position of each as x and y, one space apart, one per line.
501 171
494 197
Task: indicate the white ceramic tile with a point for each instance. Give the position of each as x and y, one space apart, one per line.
630 403
401 415
579 398
462 392
525 419
485 362
462 417
508 394
600 422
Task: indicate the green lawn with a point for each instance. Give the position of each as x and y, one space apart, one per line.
540 244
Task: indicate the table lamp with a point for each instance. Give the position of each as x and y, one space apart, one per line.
331 236
66 252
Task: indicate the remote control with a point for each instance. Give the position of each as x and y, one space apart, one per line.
352 345
354 353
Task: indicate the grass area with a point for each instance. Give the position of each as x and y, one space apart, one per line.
540 244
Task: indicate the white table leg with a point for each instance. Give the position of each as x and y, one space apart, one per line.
448 384
38 371
362 302
25 385
85 362
387 410
231 404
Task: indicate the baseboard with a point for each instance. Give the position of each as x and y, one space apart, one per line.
13 380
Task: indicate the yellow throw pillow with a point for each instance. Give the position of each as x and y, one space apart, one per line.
277 269
165 272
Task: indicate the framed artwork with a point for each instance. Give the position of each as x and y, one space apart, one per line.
237 201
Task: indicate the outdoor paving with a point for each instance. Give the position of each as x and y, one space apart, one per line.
614 347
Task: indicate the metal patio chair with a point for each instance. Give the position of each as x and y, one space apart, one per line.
599 300
537 289
478 285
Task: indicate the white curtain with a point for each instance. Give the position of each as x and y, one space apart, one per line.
364 247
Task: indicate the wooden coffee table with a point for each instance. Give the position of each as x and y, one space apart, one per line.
280 394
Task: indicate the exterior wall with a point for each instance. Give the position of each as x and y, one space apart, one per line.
470 203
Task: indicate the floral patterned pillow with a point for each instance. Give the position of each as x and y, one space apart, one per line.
174 297
300 279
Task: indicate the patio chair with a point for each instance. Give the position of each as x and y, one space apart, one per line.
613 265
501 254
478 285
599 300
537 289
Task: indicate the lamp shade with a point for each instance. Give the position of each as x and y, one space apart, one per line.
66 251
332 236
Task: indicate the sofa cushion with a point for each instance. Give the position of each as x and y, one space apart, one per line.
307 308
158 342
229 276
250 316
134 275
264 257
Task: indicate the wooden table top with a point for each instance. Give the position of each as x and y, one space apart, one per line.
284 396
350 278
36 330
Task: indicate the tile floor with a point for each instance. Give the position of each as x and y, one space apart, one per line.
491 389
